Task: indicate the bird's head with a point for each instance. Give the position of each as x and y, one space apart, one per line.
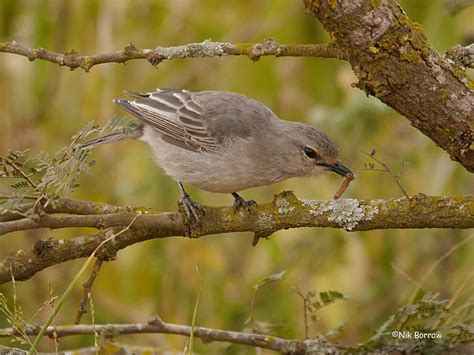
313 152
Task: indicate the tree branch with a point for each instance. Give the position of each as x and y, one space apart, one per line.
157 326
388 52
286 211
395 63
65 205
463 55
155 56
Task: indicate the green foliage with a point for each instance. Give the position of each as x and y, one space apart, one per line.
412 316
43 178
314 302
269 279
399 331
60 177
14 317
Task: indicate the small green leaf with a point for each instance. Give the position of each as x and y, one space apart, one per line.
269 279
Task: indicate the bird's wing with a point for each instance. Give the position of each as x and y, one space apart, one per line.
175 115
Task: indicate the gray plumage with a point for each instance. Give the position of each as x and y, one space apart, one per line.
225 142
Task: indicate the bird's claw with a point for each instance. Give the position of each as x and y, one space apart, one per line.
192 210
239 203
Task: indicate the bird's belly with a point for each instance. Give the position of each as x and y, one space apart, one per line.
208 173
212 172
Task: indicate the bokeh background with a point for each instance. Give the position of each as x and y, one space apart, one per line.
42 105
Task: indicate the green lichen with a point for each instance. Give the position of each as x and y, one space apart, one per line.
87 64
470 84
333 4
444 95
143 210
375 3
312 5
460 73
374 50
414 40
243 48
411 56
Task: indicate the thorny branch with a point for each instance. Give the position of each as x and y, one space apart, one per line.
155 56
285 211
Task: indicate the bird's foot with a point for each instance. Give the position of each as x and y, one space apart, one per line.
192 210
241 203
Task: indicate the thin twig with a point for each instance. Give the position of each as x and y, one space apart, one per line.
4 197
87 286
305 311
67 221
462 55
73 283
155 56
22 174
405 275
157 326
193 322
386 169
64 205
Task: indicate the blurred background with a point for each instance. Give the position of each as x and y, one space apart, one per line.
42 105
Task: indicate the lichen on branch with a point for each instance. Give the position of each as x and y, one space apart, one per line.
285 211
394 61
207 48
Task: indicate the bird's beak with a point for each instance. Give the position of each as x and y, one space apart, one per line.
338 168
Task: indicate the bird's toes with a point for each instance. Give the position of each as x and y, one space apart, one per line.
192 211
240 203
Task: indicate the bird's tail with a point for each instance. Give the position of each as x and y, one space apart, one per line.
136 132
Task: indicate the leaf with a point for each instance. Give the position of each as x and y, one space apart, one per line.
330 296
325 299
269 279
20 185
337 330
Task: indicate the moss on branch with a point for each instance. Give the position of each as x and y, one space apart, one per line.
394 62
285 211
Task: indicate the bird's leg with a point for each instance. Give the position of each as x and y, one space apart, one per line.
193 211
241 203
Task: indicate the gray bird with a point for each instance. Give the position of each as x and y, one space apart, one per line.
223 142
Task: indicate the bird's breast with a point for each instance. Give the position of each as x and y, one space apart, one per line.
224 172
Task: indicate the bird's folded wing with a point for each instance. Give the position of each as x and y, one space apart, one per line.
175 115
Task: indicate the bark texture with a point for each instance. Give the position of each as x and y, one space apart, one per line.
395 63
286 211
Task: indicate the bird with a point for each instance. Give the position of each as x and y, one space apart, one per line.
223 142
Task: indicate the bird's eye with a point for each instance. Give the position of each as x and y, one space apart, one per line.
310 153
